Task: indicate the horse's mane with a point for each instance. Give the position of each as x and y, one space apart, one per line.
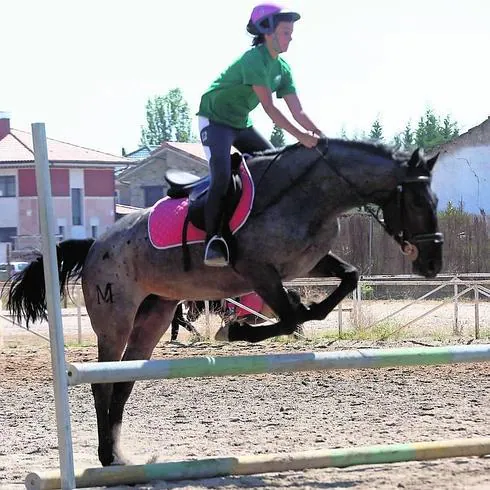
275 151
378 149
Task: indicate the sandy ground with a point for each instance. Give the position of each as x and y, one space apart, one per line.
179 419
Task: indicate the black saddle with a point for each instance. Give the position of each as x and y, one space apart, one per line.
184 184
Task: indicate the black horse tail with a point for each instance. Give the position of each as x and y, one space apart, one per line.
26 296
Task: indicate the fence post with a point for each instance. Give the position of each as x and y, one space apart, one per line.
456 311
79 317
208 326
477 313
339 306
52 289
357 303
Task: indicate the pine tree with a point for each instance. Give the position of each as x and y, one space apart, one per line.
277 137
397 142
407 138
376 133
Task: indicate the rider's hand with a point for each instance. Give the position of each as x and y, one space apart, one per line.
308 140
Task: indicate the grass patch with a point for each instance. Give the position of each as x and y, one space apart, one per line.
84 343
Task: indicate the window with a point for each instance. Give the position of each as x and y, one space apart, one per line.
7 185
76 206
8 234
94 231
152 194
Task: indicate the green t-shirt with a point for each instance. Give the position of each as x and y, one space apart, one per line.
230 98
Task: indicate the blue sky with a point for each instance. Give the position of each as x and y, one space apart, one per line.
87 68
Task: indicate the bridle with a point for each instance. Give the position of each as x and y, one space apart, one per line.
409 243
406 240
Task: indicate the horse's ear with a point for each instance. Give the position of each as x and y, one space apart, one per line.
432 161
416 158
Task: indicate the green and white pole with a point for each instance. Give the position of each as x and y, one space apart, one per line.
114 372
264 463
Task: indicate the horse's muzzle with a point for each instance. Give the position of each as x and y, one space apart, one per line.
428 260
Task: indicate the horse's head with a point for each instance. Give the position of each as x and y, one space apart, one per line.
411 218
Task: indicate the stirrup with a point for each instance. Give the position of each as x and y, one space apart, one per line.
217 253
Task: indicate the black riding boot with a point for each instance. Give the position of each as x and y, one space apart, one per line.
217 253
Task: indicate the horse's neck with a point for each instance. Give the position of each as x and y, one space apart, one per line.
273 177
348 176
358 177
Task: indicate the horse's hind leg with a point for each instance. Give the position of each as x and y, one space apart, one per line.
112 327
152 320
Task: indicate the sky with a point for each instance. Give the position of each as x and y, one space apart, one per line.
86 69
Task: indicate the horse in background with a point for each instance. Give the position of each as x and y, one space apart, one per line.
228 312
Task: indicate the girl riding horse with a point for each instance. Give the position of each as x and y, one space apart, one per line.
225 107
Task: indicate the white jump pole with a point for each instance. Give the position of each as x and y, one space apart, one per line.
115 372
52 285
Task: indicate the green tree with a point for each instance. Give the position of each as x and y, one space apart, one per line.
427 132
397 142
376 133
407 137
452 210
431 132
449 129
277 137
168 119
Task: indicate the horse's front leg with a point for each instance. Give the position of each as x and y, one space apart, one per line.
266 282
332 266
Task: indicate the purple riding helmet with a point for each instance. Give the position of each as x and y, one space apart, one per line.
265 16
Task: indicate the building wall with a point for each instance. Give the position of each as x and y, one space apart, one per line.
28 222
152 173
99 212
462 172
98 207
463 176
59 182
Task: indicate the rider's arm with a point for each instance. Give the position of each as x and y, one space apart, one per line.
299 115
265 97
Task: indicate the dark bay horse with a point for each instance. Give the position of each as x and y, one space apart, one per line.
131 289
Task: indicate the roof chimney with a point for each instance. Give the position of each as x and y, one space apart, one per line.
4 124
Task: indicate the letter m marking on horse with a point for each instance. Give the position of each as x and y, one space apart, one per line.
106 296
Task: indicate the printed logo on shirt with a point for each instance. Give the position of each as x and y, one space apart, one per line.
204 136
277 80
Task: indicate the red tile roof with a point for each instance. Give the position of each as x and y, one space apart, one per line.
16 147
194 149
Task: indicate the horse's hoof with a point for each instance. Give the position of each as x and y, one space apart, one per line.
223 334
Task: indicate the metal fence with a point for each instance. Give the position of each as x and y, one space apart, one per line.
445 289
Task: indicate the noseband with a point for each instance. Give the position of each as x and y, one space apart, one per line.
406 240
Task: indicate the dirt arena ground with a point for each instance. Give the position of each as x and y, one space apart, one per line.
187 418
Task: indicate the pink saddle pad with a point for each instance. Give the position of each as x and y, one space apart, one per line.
167 216
251 300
